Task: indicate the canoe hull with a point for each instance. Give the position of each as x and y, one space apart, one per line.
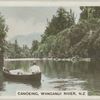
32 77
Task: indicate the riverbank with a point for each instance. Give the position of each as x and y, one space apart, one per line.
52 59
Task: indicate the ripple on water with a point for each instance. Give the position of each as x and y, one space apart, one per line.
67 84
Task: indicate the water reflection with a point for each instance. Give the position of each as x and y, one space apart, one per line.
62 75
82 75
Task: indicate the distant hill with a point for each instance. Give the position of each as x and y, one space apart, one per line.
26 39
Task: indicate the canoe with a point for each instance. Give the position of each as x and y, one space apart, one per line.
22 77
34 84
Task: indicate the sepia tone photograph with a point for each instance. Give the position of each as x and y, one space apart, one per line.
50 49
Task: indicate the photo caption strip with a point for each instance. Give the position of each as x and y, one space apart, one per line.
51 93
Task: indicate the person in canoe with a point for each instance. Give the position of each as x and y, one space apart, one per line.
34 68
6 70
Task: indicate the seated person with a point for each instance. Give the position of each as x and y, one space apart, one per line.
35 68
6 70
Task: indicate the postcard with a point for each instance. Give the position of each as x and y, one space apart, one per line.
49 50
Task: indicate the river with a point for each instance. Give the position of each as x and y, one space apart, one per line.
56 75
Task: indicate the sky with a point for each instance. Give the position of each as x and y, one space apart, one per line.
26 20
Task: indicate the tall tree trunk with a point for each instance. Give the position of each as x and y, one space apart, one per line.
1 53
1 59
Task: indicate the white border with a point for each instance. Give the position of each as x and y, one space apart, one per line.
48 4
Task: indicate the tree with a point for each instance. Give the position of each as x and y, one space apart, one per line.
3 31
34 47
17 50
62 20
89 12
68 39
25 52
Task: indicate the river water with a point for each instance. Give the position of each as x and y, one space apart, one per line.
56 75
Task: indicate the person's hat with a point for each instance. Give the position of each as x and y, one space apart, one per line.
34 63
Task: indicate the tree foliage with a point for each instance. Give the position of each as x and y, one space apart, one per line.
3 31
63 19
89 12
65 38
13 50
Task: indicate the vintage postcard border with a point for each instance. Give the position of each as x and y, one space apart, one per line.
46 4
